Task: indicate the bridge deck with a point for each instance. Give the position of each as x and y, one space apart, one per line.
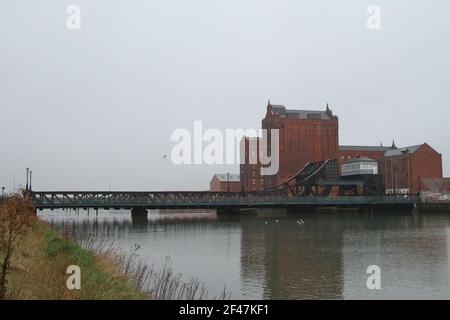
165 199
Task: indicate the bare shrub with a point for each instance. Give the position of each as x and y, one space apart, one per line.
16 216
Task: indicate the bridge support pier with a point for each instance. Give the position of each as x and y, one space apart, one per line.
139 214
272 212
228 211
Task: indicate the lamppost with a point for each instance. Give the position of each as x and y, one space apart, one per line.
31 172
28 170
228 182
3 191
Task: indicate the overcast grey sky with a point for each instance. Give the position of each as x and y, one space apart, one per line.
86 106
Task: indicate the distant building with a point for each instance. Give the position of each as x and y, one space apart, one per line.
225 182
250 171
359 165
403 168
304 136
312 136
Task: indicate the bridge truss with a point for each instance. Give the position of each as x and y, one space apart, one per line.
311 186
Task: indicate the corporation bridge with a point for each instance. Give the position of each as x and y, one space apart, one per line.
311 188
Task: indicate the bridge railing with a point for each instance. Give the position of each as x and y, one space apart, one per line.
186 199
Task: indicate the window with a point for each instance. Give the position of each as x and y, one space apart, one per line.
313 116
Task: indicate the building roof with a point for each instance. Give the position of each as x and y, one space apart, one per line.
435 184
400 151
365 148
223 177
361 159
283 112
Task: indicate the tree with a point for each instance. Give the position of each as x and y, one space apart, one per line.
16 215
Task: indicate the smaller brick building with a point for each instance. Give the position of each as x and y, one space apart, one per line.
403 168
225 183
250 166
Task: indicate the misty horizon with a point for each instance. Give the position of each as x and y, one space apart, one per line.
94 109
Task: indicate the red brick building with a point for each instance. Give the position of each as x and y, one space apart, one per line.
250 171
304 136
225 182
435 185
403 168
311 136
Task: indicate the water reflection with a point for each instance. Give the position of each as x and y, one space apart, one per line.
293 259
289 257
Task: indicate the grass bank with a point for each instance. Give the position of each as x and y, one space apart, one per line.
39 264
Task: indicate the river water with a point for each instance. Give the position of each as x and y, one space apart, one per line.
308 256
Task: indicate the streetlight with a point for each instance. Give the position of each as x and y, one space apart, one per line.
31 172
28 170
3 191
228 182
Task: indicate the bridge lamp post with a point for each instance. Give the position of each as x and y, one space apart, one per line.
28 170
3 191
228 182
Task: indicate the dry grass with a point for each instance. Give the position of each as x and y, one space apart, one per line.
39 270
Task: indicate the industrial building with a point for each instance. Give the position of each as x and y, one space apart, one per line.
304 136
250 173
225 182
401 168
311 136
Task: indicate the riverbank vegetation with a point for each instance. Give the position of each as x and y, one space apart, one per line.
34 261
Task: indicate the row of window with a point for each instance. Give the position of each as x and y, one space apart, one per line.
360 166
397 191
